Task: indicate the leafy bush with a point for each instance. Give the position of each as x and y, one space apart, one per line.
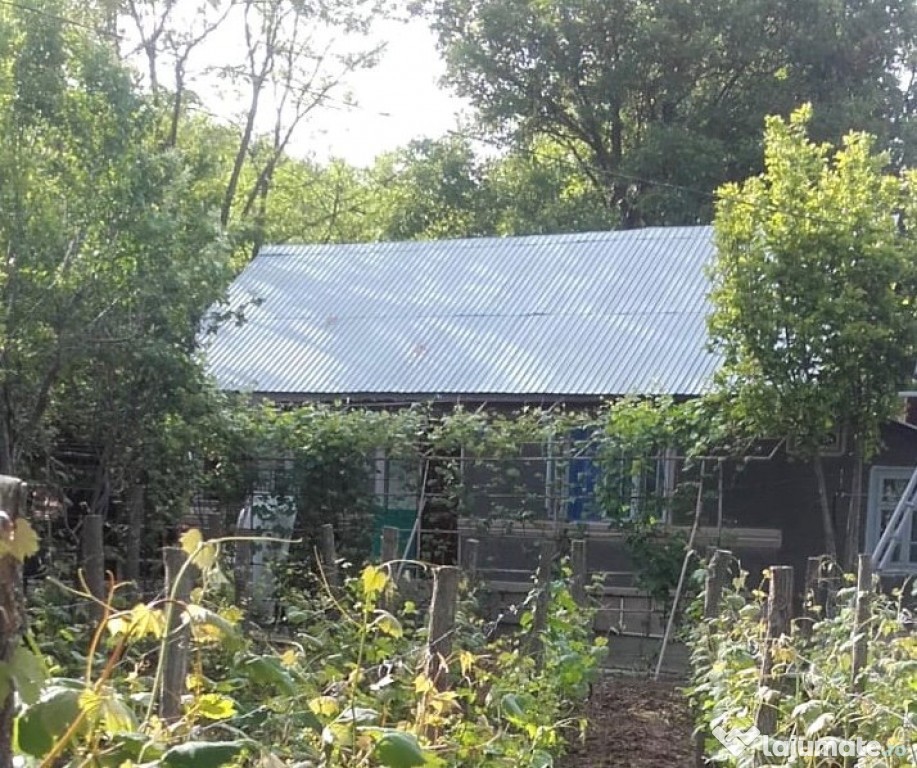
816 698
347 685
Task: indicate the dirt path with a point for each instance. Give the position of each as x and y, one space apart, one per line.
636 723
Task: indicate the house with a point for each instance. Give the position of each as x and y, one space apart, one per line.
573 318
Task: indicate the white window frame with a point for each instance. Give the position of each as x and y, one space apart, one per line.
877 475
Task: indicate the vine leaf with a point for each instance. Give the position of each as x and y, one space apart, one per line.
374 580
203 555
28 672
20 541
388 624
397 749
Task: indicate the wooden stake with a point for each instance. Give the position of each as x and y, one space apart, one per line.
860 638
175 664
578 564
810 597
715 580
93 553
442 622
243 569
542 596
390 538
471 549
779 619
135 520
717 574
329 556
13 494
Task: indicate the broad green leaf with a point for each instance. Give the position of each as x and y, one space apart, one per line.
542 759
819 724
108 709
269 671
397 749
204 754
202 554
326 706
20 542
388 624
25 540
215 707
207 625
143 621
28 672
374 580
513 706
41 724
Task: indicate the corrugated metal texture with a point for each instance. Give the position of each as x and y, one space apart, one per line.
602 313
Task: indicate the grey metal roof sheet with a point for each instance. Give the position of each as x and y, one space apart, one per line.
587 314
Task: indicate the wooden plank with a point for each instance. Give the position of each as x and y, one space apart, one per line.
442 622
175 663
779 624
861 622
580 574
93 555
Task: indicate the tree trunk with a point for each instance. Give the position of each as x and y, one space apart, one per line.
825 506
134 533
854 511
12 620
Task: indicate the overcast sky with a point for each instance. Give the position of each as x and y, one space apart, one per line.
399 100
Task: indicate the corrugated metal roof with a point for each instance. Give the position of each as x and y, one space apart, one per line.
587 314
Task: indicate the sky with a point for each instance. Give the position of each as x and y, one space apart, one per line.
399 100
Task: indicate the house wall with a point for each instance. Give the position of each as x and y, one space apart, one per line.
782 493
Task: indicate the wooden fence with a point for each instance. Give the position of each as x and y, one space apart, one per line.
823 578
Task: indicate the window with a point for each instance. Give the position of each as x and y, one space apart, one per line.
886 484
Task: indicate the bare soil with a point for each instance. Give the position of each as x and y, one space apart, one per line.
636 723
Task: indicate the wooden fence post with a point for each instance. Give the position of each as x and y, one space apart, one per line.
542 596
133 549
830 583
329 556
13 495
578 565
810 597
390 538
175 663
442 622
860 639
715 580
779 622
242 576
471 549
93 554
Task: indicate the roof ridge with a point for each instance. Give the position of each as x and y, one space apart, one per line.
638 233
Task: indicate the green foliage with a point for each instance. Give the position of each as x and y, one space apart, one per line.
814 288
816 699
112 258
675 92
343 688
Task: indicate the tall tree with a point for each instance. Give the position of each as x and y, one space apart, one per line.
814 286
111 244
651 97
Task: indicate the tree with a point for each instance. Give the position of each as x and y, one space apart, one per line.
814 285
112 256
653 98
540 189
